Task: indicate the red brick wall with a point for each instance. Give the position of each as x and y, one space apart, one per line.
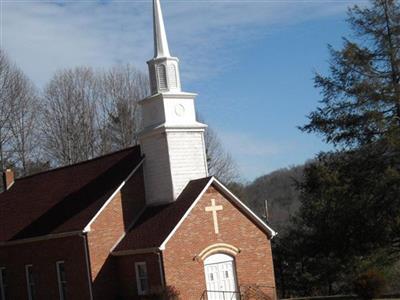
106 231
254 262
127 275
43 255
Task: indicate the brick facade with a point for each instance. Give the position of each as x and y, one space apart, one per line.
88 257
107 230
127 275
43 255
253 264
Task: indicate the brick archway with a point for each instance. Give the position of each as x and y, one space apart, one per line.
217 248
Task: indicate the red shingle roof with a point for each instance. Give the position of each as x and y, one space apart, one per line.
63 199
157 222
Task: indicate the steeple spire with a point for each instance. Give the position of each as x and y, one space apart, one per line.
171 139
163 68
160 37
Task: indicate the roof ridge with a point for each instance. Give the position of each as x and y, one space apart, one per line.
78 163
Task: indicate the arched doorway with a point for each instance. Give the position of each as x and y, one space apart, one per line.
220 275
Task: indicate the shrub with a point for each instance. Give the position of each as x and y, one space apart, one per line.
369 285
253 292
167 293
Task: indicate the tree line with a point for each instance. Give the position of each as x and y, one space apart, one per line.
81 113
345 235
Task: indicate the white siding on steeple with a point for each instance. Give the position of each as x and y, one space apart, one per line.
187 158
157 173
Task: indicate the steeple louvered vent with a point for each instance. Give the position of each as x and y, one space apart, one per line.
172 77
162 77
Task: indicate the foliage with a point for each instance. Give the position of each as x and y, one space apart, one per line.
220 162
279 189
167 293
81 114
87 113
349 197
369 285
361 95
254 292
18 116
392 275
120 89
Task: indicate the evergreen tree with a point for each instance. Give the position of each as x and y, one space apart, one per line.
361 96
353 193
350 204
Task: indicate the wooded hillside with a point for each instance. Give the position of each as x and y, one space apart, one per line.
279 188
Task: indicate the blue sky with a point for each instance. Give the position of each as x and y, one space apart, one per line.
251 62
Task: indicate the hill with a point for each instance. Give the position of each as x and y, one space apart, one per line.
279 189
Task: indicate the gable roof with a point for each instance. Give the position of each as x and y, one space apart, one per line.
64 199
157 224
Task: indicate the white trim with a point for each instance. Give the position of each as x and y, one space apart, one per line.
136 251
128 228
10 185
87 227
162 247
248 210
205 153
60 288
138 285
2 283
169 95
41 238
71 233
29 284
166 127
232 197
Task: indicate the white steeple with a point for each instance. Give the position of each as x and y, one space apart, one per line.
163 68
160 37
172 140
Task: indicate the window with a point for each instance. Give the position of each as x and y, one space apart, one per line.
62 281
142 279
162 77
30 282
3 284
172 76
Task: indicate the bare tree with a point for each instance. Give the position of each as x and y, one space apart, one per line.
7 94
220 162
23 140
119 119
69 115
18 103
87 113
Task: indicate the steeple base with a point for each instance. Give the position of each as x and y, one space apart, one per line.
173 157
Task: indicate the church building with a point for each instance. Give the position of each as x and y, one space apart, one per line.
147 222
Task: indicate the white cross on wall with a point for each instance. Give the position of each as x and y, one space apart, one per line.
214 208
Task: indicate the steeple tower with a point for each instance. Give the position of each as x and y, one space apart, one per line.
172 140
163 69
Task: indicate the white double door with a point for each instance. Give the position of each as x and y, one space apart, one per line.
220 277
